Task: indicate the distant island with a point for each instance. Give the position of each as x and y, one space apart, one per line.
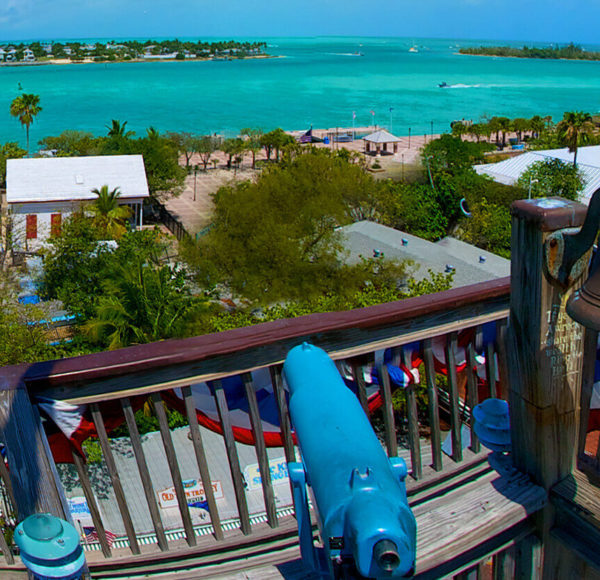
127 51
569 52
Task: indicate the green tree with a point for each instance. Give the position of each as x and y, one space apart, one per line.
275 140
552 177
26 107
117 130
451 154
109 215
141 304
186 143
8 151
232 148
276 238
72 143
488 228
252 142
575 129
205 147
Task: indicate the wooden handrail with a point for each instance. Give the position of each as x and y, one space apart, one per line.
143 358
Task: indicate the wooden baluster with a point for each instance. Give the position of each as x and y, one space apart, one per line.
590 347
284 415
434 409
192 418
114 477
165 433
455 420
391 440
503 564
140 459
528 557
490 368
472 391
359 379
232 456
413 420
261 451
91 502
5 477
502 360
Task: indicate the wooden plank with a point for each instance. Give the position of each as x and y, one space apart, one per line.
5 478
232 456
434 409
32 472
502 359
359 379
140 459
196 435
528 558
165 433
413 421
6 551
503 566
261 451
484 299
490 368
339 345
472 392
90 498
590 348
391 439
455 421
109 460
284 415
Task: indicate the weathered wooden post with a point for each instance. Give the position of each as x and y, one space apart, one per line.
545 356
32 470
544 345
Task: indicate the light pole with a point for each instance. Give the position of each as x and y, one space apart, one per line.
409 137
402 166
195 174
431 129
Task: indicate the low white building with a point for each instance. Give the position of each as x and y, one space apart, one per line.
42 192
509 170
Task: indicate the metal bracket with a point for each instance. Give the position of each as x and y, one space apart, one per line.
565 250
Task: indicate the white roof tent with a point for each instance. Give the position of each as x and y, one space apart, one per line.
382 136
73 178
509 170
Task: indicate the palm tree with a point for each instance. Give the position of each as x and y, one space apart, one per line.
109 215
575 129
117 130
25 107
459 129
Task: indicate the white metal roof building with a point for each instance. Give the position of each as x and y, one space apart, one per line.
42 192
45 179
509 170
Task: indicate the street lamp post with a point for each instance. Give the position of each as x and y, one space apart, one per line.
409 137
195 174
431 129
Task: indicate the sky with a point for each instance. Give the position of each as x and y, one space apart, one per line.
527 20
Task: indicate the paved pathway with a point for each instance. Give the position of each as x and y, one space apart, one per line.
194 206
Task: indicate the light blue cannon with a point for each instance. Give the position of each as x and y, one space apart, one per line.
367 528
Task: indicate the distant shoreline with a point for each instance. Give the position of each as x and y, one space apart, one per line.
67 61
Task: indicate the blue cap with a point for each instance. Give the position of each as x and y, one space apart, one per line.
50 547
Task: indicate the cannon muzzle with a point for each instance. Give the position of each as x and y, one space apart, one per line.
385 554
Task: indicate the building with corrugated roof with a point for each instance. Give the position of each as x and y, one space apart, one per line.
509 170
41 192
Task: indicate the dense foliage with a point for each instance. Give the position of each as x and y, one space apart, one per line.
552 177
571 52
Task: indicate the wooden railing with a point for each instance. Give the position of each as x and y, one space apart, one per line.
152 371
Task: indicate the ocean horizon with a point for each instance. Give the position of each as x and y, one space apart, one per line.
318 81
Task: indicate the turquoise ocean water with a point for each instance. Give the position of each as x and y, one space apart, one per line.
318 81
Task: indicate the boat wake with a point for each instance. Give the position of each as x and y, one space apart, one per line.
345 53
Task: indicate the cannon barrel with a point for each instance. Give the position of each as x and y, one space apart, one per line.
358 492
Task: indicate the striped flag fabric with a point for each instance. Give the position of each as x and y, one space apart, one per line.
91 535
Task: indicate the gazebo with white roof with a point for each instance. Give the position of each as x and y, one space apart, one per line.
378 142
41 192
